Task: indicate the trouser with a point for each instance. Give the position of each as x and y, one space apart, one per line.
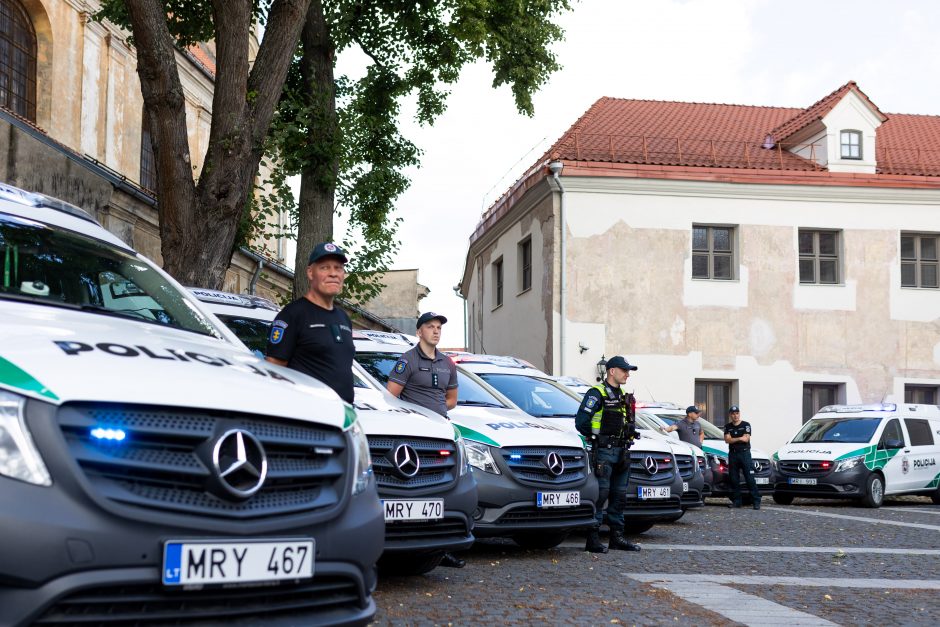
612 467
741 461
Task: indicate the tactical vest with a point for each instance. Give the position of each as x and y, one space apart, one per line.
611 415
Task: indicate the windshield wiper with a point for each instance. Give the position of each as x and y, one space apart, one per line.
478 403
120 313
556 416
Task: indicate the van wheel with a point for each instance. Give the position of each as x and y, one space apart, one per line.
874 491
540 539
783 499
636 528
410 564
935 497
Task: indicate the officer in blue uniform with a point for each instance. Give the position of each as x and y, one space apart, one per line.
738 437
607 417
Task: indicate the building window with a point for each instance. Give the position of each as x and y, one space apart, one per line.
17 60
851 144
922 394
498 283
819 256
919 265
714 399
713 252
818 395
148 161
525 264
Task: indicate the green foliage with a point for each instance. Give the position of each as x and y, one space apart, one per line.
189 21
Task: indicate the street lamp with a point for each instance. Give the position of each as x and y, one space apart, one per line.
601 369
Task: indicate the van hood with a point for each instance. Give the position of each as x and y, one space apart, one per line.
719 448
501 426
823 450
59 356
383 414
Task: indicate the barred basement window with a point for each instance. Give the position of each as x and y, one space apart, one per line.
819 257
919 263
148 162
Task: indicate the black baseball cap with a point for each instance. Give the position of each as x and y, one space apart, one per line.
692 409
734 408
327 249
619 362
428 316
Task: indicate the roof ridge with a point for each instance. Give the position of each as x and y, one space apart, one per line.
691 102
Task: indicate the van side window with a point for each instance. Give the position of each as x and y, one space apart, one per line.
919 430
892 432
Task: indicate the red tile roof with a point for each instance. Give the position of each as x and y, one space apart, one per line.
818 111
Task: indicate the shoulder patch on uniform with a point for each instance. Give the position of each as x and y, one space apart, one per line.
400 366
590 402
279 323
277 334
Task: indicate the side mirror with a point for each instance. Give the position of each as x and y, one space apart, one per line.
892 443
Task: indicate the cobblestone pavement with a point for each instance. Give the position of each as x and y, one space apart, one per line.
795 562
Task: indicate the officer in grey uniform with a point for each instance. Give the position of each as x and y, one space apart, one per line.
689 429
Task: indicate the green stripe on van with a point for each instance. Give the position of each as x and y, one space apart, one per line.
14 376
470 434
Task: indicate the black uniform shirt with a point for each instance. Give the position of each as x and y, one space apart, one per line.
317 342
736 431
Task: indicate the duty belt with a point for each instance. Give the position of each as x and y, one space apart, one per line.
611 441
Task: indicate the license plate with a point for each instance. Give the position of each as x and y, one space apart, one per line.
801 481
685 487
414 510
236 561
557 499
653 493
761 480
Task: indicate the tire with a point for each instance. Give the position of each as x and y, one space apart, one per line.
410 564
636 528
540 540
783 499
874 491
935 497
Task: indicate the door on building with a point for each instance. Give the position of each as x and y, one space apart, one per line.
714 399
921 394
816 396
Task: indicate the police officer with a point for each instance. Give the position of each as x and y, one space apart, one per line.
689 429
738 437
607 417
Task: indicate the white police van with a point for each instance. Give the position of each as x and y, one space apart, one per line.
149 468
715 449
660 472
419 460
862 452
535 482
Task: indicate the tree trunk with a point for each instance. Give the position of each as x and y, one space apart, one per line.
317 179
198 222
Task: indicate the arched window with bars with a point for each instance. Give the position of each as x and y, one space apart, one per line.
17 60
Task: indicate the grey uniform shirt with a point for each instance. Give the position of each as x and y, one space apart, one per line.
425 380
689 431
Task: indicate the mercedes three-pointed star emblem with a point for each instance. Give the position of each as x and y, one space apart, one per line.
240 463
757 465
406 461
554 463
650 464
803 467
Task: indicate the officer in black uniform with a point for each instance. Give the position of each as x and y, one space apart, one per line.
738 437
607 416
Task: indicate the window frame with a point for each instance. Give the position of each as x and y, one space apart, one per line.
711 254
148 158
23 39
498 282
814 388
850 132
706 401
816 257
525 264
917 261
910 389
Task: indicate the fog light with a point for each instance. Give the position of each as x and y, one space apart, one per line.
477 514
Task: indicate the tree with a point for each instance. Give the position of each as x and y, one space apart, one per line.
199 220
342 137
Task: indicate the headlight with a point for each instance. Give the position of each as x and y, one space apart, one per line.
461 454
479 456
718 461
19 458
848 464
362 460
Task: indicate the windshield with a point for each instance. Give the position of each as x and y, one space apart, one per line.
42 265
711 431
534 396
253 332
851 430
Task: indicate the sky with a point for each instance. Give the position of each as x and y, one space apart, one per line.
787 53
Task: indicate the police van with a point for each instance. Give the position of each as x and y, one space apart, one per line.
715 449
864 453
419 460
150 468
661 474
534 478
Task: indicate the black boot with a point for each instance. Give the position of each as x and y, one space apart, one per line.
594 544
617 541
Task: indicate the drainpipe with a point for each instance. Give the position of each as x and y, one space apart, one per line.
556 167
254 277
